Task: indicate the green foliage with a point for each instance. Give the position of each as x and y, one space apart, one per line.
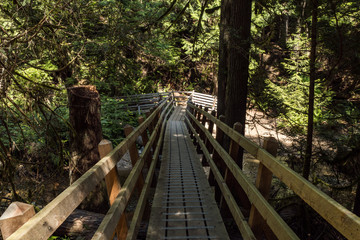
114 118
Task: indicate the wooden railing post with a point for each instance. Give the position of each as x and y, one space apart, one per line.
236 190
202 136
144 135
218 161
263 183
134 155
193 112
199 117
113 187
211 130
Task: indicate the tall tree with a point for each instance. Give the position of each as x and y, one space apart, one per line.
222 72
310 125
237 38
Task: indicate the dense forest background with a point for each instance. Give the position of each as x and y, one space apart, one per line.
127 47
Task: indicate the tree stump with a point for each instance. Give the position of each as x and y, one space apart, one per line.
86 134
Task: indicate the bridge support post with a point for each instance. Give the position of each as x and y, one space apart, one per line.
113 187
263 183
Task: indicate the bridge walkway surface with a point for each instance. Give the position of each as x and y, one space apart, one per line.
184 206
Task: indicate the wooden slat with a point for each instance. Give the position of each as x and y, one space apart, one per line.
239 218
276 223
43 224
116 210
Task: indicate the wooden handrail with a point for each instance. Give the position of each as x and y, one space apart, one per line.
44 223
347 223
111 219
276 223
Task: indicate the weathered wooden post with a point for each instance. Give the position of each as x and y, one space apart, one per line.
236 190
113 187
218 160
263 183
134 155
14 217
203 136
86 134
198 130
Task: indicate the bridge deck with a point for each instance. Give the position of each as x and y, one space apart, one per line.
184 206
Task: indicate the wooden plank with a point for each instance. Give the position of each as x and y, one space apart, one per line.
44 223
276 223
117 208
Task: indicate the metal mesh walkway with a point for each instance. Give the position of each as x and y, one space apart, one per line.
184 206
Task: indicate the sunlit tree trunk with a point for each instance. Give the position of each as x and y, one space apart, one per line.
310 126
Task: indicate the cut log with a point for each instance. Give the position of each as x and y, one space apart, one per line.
80 223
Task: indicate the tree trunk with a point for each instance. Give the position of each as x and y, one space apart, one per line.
222 72
356 209
86 134
238 37
310 127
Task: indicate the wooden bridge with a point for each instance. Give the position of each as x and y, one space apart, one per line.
187 202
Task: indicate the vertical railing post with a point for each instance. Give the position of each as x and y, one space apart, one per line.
192 112
203 136
198 130
263 183
134 155
236 190
211 130
144 135
113 187
218 161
